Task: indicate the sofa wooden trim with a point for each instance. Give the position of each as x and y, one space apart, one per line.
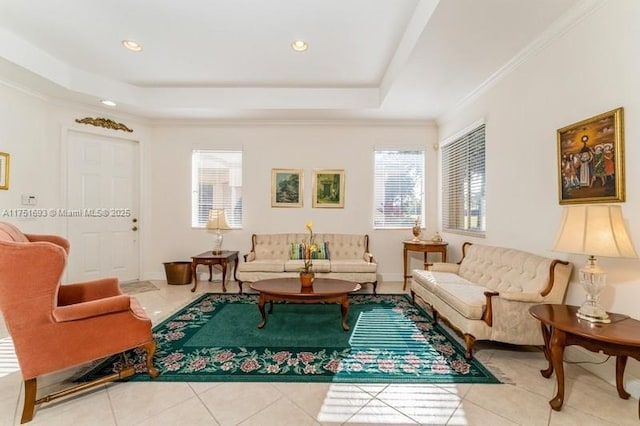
487 317
552 276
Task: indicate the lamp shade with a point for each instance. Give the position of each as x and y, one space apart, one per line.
217 219
595 230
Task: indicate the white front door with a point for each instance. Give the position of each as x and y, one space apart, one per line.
102 207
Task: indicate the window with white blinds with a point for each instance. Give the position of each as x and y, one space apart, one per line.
463 184
216 184
398 188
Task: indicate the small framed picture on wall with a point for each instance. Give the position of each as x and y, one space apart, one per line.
4 170
286 188
328 189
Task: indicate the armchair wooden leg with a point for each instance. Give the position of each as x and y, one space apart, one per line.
150 348
30 385
30 390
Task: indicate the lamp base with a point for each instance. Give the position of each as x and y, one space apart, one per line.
593 313
594 280
217 243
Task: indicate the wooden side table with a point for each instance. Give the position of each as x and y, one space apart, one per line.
210 259
561 327
424 247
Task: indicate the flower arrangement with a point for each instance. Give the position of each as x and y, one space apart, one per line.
309 248
416 230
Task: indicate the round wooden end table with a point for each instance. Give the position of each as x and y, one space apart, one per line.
561 327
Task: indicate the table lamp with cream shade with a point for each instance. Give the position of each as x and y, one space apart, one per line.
594 230
217 221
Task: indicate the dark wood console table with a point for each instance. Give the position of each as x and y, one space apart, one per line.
210 259
424 247
561 328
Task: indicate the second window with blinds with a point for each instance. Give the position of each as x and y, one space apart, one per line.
398 188
463 183
216 183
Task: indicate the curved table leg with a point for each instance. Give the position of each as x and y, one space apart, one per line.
621 363
235 269
261 302
344 308
194 266
546 335
223 264
404 262
556 349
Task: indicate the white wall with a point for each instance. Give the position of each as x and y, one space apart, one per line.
33 131
22 128
590 69
303 146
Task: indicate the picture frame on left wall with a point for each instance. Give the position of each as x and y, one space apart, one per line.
4 170
286 188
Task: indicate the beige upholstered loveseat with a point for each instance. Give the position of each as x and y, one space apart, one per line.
487 295
348 258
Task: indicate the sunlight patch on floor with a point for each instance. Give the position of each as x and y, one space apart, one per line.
395 404
8 359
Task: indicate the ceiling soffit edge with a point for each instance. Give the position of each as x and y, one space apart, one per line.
417 24
427 123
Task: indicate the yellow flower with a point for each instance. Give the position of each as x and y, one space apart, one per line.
309 248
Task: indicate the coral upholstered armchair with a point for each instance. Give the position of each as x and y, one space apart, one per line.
56 326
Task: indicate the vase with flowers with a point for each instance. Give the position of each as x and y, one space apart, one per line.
309 247
416 229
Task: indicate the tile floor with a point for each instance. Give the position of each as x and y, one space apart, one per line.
521 400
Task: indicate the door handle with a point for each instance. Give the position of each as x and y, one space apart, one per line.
135 228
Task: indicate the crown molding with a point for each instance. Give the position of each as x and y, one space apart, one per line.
560 27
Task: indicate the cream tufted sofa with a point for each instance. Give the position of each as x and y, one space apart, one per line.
349 258
487 295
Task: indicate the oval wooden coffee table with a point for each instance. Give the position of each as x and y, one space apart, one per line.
289 290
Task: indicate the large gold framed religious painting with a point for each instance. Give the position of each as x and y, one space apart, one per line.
591 160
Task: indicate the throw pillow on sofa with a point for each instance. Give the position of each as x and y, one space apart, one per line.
296 251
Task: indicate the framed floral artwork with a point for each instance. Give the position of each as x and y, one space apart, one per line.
591 160
4 170
286 188
328 188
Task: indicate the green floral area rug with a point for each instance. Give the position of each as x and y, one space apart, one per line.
216 338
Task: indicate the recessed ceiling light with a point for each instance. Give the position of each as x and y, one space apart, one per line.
299 45
132 45
107 102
